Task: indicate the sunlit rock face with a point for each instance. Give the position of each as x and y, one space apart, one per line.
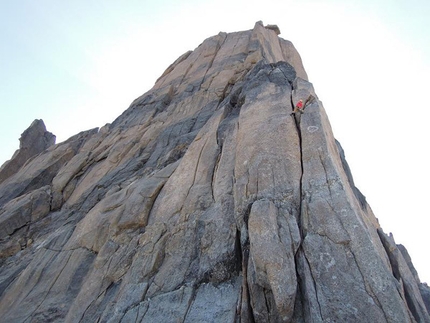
207 200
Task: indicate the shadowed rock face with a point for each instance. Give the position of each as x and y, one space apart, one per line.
205 201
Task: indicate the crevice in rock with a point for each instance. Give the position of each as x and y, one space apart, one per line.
185 75
145 310
190 302
367 287
238 251
313 282
242 250
54 280
296 119
341 242
224 93
29 291
94 312
26 224
214 173
195 172
247 313
218 47
267 302
156 194
325 173
301 277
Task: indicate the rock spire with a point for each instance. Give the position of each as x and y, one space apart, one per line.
205 201
33 141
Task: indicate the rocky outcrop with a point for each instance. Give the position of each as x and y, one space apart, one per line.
33 141
205 201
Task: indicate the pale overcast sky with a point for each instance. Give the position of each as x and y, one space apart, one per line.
79 64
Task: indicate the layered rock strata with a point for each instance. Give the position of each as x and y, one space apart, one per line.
205 201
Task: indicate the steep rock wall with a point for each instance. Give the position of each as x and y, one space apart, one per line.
205 201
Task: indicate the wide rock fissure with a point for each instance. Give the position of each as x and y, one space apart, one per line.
205 201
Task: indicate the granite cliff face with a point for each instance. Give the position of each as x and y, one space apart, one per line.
205 201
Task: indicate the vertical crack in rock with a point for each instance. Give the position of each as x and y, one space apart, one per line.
314 283
367 286
215 170
191 300
300 221
190 66
53 282
326 178
218 46
297 119
196 168
246 311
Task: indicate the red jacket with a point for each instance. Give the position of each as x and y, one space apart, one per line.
299 104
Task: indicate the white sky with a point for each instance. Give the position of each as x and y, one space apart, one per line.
79 64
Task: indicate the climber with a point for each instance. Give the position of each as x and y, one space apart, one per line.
299 107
